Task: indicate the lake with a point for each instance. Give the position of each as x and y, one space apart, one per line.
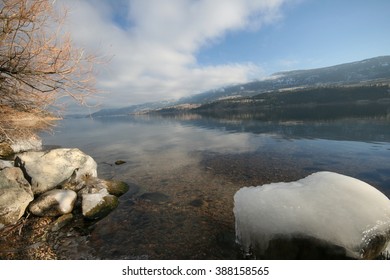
183 171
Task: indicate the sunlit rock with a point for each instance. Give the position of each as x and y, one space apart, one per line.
15 195
8 149
5 164
46 170
32 143
53 203
325 215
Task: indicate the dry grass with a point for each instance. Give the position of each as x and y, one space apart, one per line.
16 124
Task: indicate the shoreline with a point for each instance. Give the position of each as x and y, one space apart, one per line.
33 237
192 207
185 213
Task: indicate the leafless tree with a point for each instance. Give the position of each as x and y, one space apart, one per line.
38 62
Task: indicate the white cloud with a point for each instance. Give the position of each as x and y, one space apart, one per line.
153 43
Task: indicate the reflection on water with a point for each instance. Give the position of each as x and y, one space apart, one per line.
197 163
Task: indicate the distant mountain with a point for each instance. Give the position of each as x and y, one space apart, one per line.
343 74
370 70
322 102
133 109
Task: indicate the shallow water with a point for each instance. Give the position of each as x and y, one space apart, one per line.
184 170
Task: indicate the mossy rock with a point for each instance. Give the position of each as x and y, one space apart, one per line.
103 208
116 188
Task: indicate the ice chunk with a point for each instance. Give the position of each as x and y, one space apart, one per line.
327 206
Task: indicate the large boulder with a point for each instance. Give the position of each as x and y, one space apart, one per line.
53 203
323 216
15 195
47 170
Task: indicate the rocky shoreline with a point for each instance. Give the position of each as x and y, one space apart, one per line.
41 192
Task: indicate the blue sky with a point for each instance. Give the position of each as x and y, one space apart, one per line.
161 50
312 33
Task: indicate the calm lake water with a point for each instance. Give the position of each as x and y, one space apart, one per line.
184 170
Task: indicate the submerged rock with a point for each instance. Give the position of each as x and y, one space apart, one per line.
53 203
302 247
62 221
155 197
197 202
15 195
116 188
325 215
47 170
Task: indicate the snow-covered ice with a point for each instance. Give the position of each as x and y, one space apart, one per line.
328 206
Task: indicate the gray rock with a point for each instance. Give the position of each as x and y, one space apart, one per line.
98 203
53 203
5 164
7 149
15 195
47 170
32 143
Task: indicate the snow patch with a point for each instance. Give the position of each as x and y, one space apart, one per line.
65 198
332 207
91 200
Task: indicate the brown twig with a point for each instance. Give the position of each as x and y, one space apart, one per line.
38 62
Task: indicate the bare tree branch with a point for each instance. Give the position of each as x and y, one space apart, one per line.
38 62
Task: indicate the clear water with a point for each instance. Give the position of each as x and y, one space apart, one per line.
190 166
